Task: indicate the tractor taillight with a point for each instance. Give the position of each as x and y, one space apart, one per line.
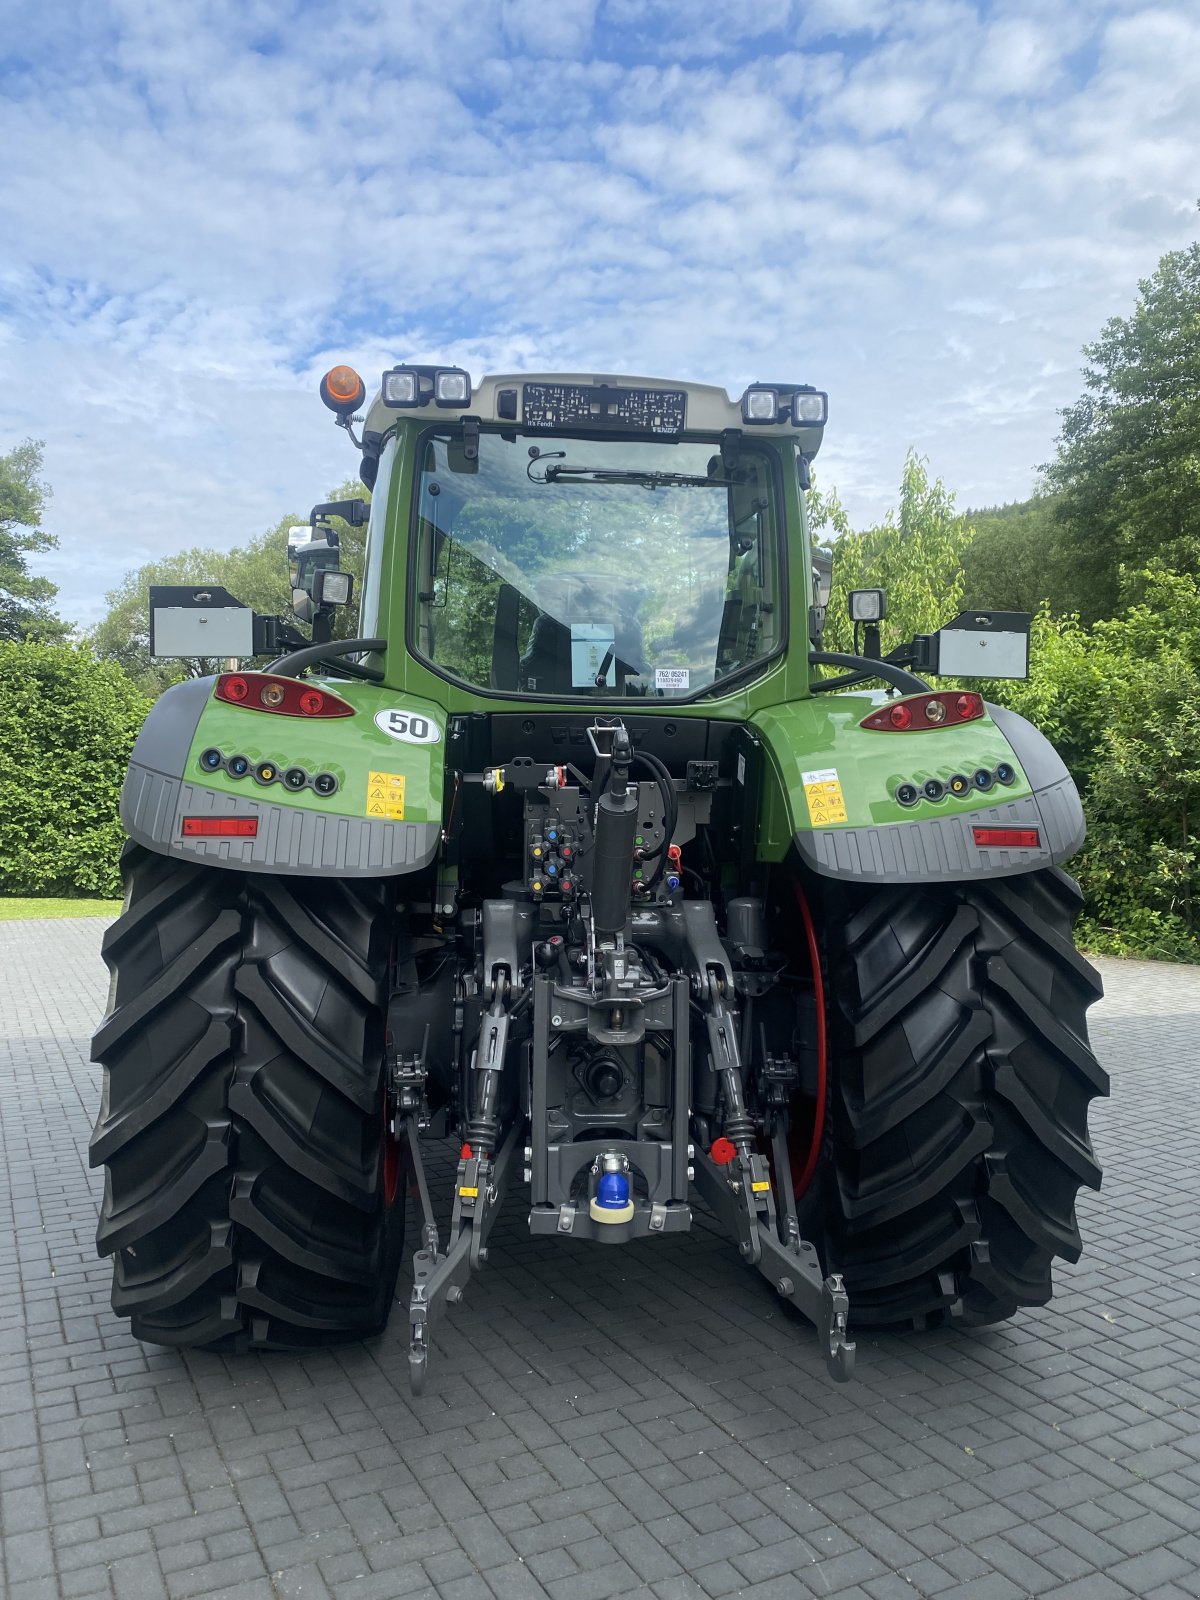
220 828
1007 838
262 691
942 709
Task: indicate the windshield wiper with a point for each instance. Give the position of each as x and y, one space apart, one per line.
644 480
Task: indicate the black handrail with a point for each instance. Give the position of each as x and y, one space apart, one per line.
294 662
863 667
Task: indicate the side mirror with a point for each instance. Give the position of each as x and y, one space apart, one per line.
822 575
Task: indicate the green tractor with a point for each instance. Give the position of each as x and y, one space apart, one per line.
576 856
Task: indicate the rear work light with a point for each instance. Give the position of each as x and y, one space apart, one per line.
220 827
943 709
1007 838
261 691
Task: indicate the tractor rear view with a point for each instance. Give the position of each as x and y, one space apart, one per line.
575 858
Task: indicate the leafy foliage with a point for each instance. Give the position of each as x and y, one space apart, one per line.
256 572
67 725
1016 559
1127 472
1121 701
915 554
26 602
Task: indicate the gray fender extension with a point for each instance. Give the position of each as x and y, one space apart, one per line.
943 849
290 839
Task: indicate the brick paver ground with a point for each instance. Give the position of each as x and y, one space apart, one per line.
645 1422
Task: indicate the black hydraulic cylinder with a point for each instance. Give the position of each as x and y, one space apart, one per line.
612 846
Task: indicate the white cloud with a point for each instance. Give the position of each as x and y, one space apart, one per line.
926 207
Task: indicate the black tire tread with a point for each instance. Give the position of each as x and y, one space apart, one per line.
960 1090
241 1114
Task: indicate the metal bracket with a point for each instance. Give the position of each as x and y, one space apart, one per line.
439 1280
406 1085
793 1268
835 1316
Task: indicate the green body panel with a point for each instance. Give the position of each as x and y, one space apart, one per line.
797 731
349 747
823 733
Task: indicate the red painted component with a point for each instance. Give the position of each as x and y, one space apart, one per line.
911 712
219 827
674 854
1007 838
294 699
723 1151
391 1157
465 1153
818 1129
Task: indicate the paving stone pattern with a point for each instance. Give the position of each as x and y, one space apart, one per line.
646 1422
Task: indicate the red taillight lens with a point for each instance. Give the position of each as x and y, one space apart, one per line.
261 691
916 712
220 827
1007 838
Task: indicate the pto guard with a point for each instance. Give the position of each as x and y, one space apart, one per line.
300 834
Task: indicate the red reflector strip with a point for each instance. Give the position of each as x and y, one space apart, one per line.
220 827
1008 838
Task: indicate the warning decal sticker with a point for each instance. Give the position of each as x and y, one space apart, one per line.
823 791
385 795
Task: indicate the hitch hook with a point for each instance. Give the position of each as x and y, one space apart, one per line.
835 1311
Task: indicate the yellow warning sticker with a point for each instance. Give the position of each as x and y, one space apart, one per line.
823 791
385 795
760 1188
469 1194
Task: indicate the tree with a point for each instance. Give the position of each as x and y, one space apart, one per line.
256 573
1127 472
1016 561
915 554
26 609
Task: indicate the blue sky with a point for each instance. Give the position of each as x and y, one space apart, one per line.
925 208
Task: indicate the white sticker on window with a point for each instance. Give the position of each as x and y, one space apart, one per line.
592 653
672 677
409 726
741 770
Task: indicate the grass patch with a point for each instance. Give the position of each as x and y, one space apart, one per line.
20 910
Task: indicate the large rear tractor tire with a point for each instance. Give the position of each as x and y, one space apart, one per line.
960 1083
252 1195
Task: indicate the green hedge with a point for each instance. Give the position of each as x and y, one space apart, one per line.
1121 702
67 725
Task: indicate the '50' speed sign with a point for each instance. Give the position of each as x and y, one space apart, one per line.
409 726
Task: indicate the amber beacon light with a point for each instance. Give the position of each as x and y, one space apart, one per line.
343 390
